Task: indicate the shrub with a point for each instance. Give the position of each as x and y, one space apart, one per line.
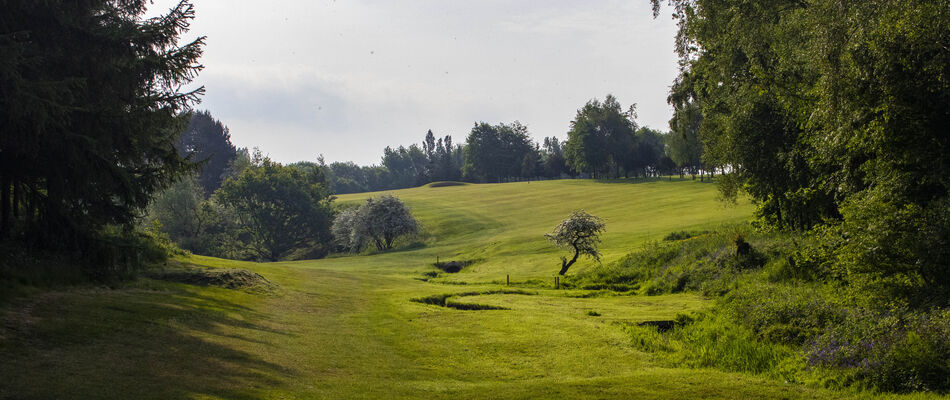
894 350
783 313
683 235
712 340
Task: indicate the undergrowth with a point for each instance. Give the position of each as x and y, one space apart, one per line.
782 311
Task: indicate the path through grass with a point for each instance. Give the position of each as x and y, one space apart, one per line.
345 327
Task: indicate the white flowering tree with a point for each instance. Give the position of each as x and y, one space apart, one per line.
344 233
580 232
380 220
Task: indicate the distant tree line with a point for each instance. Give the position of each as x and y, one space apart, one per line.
604 141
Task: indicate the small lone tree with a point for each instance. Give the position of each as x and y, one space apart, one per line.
384 219
380 220
580 232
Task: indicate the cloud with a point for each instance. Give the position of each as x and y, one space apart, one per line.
347 78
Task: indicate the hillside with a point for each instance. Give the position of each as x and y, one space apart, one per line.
502 226
346 327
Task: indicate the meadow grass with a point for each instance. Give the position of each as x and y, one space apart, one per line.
345 327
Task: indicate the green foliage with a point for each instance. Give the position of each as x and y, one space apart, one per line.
347 177
207 142
552 155
199 225
682 235
790 314
710 340
92 106
779 314
601 137
893 252
496 152
892 350
830 114
280 208
711 263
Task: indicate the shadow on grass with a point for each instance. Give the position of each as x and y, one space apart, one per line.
168 344
445 299
674 178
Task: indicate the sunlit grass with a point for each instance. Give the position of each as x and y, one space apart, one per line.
346 327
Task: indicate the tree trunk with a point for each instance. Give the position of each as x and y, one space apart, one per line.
30 206
5 207
17 199
567 264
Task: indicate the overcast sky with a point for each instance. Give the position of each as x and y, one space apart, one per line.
347 78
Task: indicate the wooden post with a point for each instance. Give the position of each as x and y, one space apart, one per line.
507 280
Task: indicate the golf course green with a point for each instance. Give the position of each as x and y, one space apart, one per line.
347 326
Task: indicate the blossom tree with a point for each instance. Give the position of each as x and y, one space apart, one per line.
579 232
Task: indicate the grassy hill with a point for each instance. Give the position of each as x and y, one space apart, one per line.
502 226
347 327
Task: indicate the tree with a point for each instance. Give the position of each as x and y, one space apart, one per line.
831 115
194 223
496 152
178 210
601 137
650 150
346 232
381 220
91 107
207 142
579 232
552 156
281 208
407 165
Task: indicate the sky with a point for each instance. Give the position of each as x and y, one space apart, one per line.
347 78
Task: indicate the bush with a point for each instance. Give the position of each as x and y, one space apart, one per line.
784 314
895 350
709 263
119 254
711 340
683 235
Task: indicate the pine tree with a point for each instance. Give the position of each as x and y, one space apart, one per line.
91 104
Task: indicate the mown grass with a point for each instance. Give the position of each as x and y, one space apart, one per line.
345 327
503 225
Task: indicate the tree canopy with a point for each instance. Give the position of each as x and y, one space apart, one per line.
380 220
496 152
90 110
281 208
580 232
828 113
207 142
601 137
